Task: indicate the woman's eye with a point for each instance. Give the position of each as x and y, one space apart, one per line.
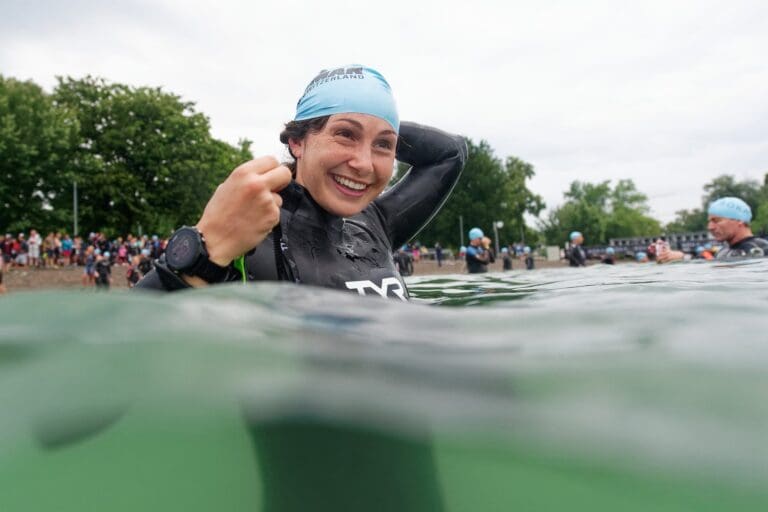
385 144
345 133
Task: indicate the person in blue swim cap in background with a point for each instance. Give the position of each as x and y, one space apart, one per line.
506 259
527 258
576 255
728 221
477 256
322 218
610 256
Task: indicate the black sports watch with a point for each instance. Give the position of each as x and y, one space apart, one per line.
186 254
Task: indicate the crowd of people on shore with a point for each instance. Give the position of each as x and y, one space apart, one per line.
97 254
728 223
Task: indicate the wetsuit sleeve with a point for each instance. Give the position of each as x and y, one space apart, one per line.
161 278
164 279
437 159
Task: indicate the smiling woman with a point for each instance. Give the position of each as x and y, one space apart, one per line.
324 218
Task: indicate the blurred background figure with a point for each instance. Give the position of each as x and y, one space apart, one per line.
576 255
528 258
477 256
609 257
506 259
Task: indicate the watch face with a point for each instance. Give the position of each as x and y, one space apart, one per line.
183 249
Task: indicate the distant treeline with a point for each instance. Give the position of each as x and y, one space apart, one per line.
141 157
144 159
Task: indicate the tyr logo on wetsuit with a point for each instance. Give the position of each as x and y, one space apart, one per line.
388 284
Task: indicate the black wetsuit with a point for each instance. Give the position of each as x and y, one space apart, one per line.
404 262
577 257
751 247
506 262
529 264
354 253
476 262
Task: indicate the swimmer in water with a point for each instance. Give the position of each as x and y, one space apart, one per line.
528 258
477 256
576 255
506 259
728 221
610 256
322 219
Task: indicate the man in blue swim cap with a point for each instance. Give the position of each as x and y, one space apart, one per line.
728 221
477 256
610 256
576 255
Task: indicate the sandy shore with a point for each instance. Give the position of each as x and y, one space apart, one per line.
71 277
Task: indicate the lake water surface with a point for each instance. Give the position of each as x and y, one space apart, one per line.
634 387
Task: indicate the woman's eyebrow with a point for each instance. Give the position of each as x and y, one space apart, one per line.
359 125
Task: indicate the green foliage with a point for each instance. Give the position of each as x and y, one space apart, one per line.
145 159
688 221
489 190
600 213
37 141
140 157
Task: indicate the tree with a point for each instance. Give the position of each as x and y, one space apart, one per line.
37 141
489 190
600 213
688 221
146 159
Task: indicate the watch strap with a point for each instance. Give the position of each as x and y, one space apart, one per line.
204 268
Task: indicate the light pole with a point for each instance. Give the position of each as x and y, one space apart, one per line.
74 208
461 230
496 227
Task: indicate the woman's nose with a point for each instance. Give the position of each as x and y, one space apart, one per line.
362 160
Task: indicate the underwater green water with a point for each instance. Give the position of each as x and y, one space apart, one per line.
635 387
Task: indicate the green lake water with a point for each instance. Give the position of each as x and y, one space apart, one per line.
635 387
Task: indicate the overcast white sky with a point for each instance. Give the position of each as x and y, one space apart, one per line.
667 93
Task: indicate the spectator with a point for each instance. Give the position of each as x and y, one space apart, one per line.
34 244
439 254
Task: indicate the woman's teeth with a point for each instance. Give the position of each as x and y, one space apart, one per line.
349 183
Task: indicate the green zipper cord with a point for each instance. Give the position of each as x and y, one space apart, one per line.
239 264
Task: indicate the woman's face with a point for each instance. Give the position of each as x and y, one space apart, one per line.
348 163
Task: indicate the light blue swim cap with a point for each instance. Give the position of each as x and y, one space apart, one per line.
699 249
462 249
640 256
475 233
731 208
527 250
610 250
106 254
353 88
574 235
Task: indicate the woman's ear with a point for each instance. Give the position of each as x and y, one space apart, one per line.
296 147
